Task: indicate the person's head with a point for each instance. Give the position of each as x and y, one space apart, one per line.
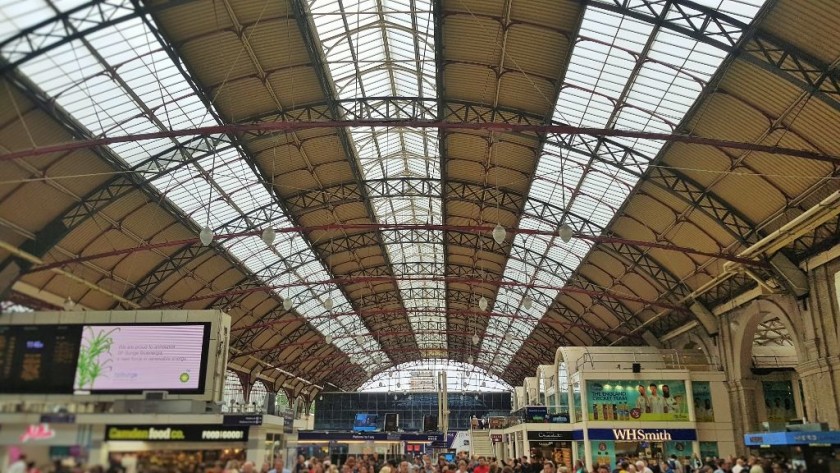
301 459
625 465
642 391
548 466
248 467
652 389
279 463
603 469
404 467
640 465
666 390
462 465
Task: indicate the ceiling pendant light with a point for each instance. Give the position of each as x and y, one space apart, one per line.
287 303
381 384
69 304
328 339
206 236
360 339
482 303
483 384
268 236
476 397
499 233
328 304
509 337
470 359
476 339
527 302
565 233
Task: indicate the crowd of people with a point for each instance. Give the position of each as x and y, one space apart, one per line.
465 464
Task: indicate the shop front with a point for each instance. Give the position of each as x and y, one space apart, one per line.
46 443
817 451
609 445
551 445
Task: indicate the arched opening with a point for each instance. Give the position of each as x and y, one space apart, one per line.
421 375
233 395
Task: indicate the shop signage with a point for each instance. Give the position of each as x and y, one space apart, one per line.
288 421
536 414
58 418
643 435
546 436
496 438
793 438
243 419
561 418
375 436
176 433
37 432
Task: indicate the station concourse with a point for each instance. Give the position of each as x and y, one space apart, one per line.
493 236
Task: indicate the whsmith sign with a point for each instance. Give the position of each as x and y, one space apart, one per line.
642 435
176 433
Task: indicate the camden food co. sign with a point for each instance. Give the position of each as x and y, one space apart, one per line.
176 433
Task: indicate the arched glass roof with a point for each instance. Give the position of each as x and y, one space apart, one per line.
422 375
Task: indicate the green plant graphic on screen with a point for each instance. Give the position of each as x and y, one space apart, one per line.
94 356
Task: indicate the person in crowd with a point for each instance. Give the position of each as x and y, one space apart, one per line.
739 465
19 465
482 466
279 465
641 467
248 467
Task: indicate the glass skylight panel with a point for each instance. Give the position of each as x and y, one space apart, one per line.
393 58
219 187
657 98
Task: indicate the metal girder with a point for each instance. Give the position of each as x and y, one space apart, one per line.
310 39
70 25
759 48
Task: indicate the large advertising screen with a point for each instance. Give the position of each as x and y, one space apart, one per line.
778 400
98 359
119 358
650 400
703 409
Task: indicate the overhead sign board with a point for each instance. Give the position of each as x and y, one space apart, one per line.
176 433
549 435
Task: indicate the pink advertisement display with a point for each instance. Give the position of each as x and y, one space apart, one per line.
140 357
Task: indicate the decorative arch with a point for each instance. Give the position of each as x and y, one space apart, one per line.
744 325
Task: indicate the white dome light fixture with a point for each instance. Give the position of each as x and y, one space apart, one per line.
328 303
69 304
499 233
482 303
381 384
328 339
287 303
360 339
268 236
476 339
470 359
527 302
509 337
565 232
206 236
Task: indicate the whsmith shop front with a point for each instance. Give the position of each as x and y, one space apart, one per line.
174 446
609 445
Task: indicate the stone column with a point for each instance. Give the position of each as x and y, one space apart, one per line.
743 395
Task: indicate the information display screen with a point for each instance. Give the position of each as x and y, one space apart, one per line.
38 359
365 422
100 359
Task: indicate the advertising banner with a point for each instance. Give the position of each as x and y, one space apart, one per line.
703 409
650 400
536 414
603 452
778 400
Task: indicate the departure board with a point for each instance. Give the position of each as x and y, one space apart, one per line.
38 358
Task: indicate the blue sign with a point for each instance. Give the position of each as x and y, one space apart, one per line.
380 436
792 438
643 435
536 414
58 418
